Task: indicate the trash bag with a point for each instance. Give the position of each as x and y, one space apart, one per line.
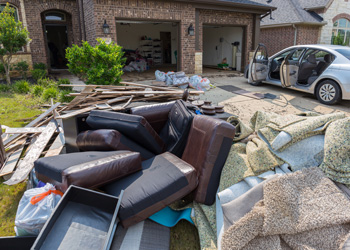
160 76
169 78
199 83
35 208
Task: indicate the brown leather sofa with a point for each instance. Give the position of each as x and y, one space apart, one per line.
165 178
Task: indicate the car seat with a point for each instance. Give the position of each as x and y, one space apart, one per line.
306 68
321 66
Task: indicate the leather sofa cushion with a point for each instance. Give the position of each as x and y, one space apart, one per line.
109 140
176 130
156 114
134 127
163 180
87 169
209 143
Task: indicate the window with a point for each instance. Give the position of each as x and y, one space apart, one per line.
341 32
296 55
55 16
2 7
344 52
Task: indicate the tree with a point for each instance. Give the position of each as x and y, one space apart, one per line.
12 38
101 64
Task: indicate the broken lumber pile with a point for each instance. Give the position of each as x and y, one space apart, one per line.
43 136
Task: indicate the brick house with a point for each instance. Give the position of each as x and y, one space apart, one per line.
304 22
193 33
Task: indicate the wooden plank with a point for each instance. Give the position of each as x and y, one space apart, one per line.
24 130
57 145
86 91
34 122
11 162
77 112
156 92
33 154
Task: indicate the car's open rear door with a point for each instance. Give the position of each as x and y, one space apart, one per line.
290 68
258 67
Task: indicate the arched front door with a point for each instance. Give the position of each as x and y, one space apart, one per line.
57 27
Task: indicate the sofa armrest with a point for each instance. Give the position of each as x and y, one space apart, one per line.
109 140
156 114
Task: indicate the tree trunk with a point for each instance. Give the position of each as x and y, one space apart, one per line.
7 69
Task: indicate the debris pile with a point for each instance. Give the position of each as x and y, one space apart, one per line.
20 147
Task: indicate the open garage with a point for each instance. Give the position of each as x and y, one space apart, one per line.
151 44
222 47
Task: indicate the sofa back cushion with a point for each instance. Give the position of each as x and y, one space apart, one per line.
155 114
134 127
207 148
176 130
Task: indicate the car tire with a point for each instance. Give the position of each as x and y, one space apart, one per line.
328 92
246 75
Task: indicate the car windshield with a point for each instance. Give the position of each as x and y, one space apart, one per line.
344 52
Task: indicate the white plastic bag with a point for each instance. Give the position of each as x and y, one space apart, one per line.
160 76
199 83
169 78
35 208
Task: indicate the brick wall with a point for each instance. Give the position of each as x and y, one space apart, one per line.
244 20
276 39
308 34
34 10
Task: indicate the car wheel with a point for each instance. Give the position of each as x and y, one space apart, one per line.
328 92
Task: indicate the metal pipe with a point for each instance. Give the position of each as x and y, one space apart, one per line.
295 34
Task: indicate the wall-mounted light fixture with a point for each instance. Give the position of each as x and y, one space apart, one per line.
105 27
191 30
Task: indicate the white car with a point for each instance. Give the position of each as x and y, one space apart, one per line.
322 70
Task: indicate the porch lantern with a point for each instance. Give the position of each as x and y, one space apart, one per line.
105 27
191 30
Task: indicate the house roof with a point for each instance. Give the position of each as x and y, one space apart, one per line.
292 12
239 4
313 4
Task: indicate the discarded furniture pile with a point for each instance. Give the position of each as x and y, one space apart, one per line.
143 158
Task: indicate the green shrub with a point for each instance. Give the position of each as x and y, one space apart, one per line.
101 64
64 97
22 68
5 88
50 92
41 66
37 90
38 74
21 86
47 82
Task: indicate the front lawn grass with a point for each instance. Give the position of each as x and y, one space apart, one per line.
13 109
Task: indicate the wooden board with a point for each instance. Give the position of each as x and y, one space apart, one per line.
34 122
33 154
24 130
11 162
57 145
77 112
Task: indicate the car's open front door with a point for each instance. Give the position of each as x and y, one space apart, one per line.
290 68
258 67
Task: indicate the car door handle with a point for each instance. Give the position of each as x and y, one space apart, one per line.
260 70
292 73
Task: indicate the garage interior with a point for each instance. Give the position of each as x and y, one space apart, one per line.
220 43
153 42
